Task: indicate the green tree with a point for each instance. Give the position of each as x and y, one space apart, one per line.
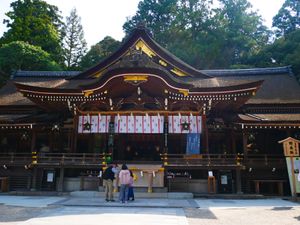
35 22
184 27
201 35
99 51
288 18
284 51
158 16
73 42
193 35
19 55
243 32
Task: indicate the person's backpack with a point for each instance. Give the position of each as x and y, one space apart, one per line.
105 175
125 177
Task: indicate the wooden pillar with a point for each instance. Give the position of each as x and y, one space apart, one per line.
74 134
34 177
150 182
211 185
245 152
81 183
69 140
245 140
238 181
205 134
33 141
29 182
233 144
34 171
50 140
111 131
60 186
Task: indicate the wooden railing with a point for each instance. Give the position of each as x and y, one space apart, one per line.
166 159
202 160
208 160
15 158
53 158
72 158
263 160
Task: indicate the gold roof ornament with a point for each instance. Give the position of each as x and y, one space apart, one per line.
141 45
135 79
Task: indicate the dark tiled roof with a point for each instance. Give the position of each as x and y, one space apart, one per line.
271 117
11 117
53 74
248 72
10 96
276 88
217 82
279 87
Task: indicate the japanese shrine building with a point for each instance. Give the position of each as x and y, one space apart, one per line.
171 123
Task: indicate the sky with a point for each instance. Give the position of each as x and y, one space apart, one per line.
101 18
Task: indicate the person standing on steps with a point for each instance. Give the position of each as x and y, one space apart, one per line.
108 178
124 179
130 190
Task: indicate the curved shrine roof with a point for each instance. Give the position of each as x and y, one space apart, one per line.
140 55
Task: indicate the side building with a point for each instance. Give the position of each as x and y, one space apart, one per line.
172 124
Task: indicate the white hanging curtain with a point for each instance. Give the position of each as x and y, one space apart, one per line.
176 124
131 124
98 123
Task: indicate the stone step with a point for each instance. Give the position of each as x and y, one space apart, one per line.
166 195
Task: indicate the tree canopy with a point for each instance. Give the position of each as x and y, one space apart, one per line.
99 51
201 35
288 18
19 55
35 22
205 35
243 31
74 43
284 51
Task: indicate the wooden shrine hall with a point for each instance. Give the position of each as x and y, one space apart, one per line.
175 126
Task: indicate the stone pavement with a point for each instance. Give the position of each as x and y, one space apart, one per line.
143 203
35 210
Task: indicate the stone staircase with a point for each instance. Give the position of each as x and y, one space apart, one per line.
154 195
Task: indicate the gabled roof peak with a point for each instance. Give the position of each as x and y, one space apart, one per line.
141 39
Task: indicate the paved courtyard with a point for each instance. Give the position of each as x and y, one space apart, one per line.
71 210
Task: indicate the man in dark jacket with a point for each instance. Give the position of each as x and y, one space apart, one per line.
108 178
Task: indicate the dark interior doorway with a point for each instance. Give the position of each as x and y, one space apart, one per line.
138 147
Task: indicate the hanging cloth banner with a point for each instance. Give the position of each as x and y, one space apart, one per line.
192 144
130 124
185 124
93 124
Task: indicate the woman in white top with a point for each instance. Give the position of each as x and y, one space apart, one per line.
124 179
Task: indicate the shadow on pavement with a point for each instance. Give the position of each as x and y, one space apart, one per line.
197 213
16 213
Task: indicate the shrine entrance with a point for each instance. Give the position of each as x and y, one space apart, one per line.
138 147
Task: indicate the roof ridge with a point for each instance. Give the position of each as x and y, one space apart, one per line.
247 72
44 73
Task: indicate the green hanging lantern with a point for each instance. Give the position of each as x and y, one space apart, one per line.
108 159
